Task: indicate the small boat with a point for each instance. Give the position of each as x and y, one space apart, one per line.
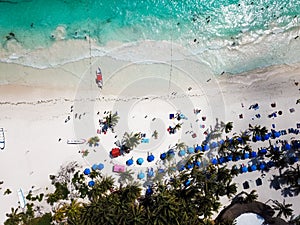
99 80
2 139
76 141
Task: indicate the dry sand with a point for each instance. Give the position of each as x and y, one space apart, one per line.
34 113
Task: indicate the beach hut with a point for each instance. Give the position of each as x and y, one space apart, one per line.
129 162
87 171
163 156
214 161
244 169
141 175
91 183
150 158
191 150
100 166
139 161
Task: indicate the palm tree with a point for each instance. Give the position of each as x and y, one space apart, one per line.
155 134
112 119
13 217
130 193
7 191
131 140
126 177
250 197
282 208
228 127
180 145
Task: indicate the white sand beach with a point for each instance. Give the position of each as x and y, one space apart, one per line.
35 105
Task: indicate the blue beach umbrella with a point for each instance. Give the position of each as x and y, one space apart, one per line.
197 163
141 175
182 152
214 161
87 171
191 150
266 137
246 155
189 166
262 166
91 183
262 151
163 156
244 169
240 140
198 148
237 158
181 168
213 145
161 170
222 160
150 173
258 137
221 142
187 183
206 147
287 146
140 161
94 167
253 167
229 158
270 164
149 191
100 166
171 152
253 154
129 162
150 158
294 159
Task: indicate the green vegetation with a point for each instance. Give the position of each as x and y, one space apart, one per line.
93 141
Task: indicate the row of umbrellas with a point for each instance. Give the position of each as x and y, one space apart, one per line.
87 171
150 173
140 161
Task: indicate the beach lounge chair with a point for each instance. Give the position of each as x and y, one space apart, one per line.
246 185
258 182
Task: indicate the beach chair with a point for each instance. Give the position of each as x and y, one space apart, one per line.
246 185
258 182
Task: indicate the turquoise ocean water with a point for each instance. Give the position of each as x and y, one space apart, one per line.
203 25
